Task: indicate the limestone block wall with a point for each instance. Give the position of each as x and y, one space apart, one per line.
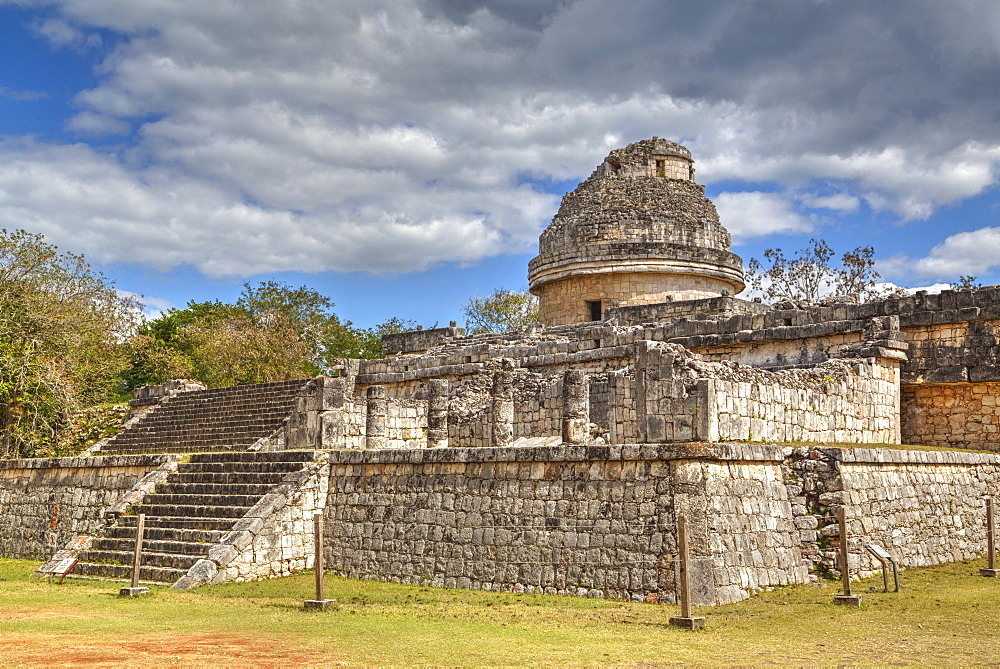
587 521
954 352
834 402
958 415
46 502
406 424
924 507
660 392
854 400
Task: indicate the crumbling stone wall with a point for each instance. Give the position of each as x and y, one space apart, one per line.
642 390
684 397
957 415
587 521
837 401
924 507
45 502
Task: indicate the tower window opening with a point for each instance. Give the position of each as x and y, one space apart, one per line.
661 167
594 310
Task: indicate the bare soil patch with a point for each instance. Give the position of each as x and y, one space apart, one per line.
24 649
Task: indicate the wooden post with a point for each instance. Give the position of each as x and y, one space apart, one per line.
135 590
845 564
685 620
991 541
321 603
318 524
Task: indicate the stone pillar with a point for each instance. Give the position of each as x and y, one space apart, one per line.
575 407
502 407
437 413
376 423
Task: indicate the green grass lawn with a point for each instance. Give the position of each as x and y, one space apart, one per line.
944 615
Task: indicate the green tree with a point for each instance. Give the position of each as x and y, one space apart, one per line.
272 332
233 347
966 282
62 330
502 311
809 275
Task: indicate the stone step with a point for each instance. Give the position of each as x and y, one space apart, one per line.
127 545
192 511
210 425
203 523
114 449
219 501
152 533
160 575
149 559
257 490
237 467
260 478
300 457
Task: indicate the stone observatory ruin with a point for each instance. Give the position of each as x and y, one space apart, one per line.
558 459
638 231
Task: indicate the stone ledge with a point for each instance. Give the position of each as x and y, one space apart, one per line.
893 456
584 453
100 461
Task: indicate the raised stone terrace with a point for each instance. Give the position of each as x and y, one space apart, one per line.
200 421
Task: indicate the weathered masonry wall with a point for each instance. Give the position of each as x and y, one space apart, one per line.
588 521
647 391
836 401
600 521
45 502
682 397
924 507
958 415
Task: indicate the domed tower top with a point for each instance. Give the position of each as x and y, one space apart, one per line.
638 231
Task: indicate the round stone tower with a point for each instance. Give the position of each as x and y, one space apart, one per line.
638 231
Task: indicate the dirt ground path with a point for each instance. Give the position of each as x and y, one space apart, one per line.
49 650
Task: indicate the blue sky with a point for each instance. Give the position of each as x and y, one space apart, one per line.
402 156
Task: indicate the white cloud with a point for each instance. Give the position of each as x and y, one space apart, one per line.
386 135
973 253
835 201
61 33
91 123
151 307
966 253
756 214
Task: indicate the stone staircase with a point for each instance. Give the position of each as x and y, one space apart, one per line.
188 514
214 420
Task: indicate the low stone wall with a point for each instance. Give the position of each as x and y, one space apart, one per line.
957 415
924 507
845 400
588 521
839 401
45 502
